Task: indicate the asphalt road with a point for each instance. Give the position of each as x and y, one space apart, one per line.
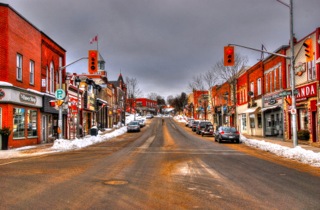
162 167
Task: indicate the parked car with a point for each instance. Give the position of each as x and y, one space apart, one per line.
201 126
141 122
149 116
227 133
208 130
133 126
190 123
194 125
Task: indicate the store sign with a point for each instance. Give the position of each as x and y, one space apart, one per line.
27 98
307 91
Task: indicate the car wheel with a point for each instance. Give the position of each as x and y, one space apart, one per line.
202 134
219 140
238 141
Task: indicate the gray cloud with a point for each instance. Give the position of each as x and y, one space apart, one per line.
165 43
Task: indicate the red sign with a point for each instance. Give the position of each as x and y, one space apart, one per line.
307 91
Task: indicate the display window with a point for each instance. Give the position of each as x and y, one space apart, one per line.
25 123
303 119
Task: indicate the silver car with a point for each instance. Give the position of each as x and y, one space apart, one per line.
227 133
133 126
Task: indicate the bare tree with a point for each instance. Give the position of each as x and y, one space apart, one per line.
196 83
152 96
230 74
133 89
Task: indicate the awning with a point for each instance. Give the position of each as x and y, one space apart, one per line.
269 107
251 110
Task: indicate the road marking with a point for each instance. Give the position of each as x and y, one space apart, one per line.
147 143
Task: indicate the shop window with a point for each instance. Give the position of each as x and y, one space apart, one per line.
18 122
303 118
32 123
259 118
244 121
252 123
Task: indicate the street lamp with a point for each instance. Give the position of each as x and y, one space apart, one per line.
77 82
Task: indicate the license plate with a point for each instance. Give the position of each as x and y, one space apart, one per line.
231 137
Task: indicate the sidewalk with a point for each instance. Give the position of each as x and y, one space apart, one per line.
275 140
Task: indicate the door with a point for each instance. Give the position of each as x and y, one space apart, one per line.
44 136
314 126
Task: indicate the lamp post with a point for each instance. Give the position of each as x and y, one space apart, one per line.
77 82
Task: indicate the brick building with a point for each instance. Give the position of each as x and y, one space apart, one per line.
23 77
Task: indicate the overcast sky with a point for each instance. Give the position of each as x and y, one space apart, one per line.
164 43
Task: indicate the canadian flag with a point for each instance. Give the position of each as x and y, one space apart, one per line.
94 39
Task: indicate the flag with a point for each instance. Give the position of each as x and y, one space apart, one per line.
94 39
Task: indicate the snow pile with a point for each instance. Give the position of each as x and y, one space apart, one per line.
66 145
297 153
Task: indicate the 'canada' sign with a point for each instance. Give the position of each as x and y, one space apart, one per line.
307 91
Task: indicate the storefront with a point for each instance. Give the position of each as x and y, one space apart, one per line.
306 104
49 120
273 114
21 109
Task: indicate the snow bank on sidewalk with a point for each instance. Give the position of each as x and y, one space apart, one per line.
66 145
297 153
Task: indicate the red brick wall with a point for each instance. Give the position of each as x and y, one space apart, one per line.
51 52
242 88
3 43
23 38
254 73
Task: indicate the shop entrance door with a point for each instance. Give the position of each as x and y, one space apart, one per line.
44 129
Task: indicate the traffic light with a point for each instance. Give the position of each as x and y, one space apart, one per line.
229 56
93 61
308 49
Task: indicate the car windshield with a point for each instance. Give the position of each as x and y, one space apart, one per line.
229 129
133 123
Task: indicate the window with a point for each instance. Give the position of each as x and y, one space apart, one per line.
267 89
51 79
32 123
252 88
259 120
252 123
311 70
259 86
31 72
244 122
270 80
18 122
303 118
275 79
47 79
19 67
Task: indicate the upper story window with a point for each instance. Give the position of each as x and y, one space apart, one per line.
267 86
252 88
47 79
259 86
31 69
19 67
311 70
51 78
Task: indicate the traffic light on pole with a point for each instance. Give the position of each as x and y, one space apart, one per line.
229 56
308 49
93 61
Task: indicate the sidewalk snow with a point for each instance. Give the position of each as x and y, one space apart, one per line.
305 156
66 145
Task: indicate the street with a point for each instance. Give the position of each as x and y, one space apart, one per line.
162 167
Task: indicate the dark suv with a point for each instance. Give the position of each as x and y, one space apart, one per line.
201 126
